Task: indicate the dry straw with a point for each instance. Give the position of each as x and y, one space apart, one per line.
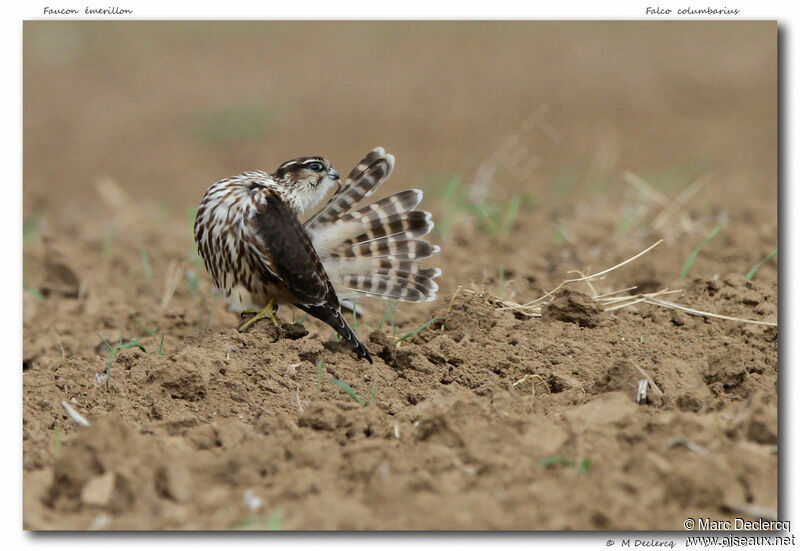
616 300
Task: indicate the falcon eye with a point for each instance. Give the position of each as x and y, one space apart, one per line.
316 167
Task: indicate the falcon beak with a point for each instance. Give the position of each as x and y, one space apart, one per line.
333 175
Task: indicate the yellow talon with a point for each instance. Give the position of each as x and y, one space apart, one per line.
267 312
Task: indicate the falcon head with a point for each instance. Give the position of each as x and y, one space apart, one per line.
306 180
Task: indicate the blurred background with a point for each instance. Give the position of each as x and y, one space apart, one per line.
166 108
549 144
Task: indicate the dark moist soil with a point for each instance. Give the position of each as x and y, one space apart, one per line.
485 419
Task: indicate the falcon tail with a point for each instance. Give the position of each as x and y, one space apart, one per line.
375 251
335 319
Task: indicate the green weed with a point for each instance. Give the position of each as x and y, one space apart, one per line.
693 255
630 220
272 522
356 325
350 392
560 235
114 350
391 307
192 282
555 460
204 326
35 293
148 332
749 275
418 329
496 218
30 230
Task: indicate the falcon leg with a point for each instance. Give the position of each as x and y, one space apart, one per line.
267 312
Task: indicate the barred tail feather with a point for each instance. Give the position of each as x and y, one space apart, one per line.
383 277
389 247
366 265
398 203
375 251
392 286
385 217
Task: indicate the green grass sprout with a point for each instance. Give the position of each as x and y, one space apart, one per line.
451 193
501 283
356 325
509 216
556 460
350 392
553 460
693 255
630 220
148 269
30 230
114 350
275 521
749 275
272 522
294 315
418 329
35 293
319 376
161 344
147 332
497 218
192 282
390 306
560 235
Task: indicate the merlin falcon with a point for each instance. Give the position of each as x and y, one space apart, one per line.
260 255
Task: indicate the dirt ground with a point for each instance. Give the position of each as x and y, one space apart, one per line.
542 148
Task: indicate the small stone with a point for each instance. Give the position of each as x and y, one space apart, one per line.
98 490
252 501
174 481
573 307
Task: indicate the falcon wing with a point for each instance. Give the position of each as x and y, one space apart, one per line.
291 254
293 259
